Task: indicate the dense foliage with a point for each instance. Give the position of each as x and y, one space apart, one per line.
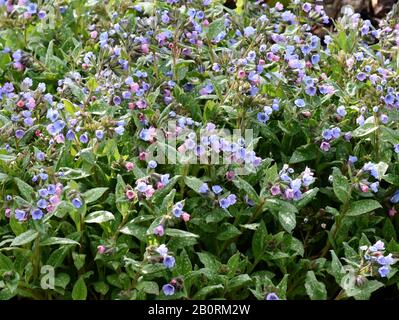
299 203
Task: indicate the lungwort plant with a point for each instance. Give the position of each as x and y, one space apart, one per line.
184 150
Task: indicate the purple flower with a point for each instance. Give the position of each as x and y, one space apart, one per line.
361 76
262 117
352 159
36 214
169 261
40 156
159 230
70 135
20 215
19 134
217 189
325 146
203 188
306 7
383 271
275 190
84 138
272 296
162 250
315 59
152 164
224 203
77 203
389 99
42 203
249 31
300 103
168 290
99 134
208 89
341 111
395 197
310 91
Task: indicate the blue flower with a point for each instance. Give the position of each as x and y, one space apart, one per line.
217 189
152 164
42 203
203 188
169 261
272 296
77 203
300 103
249 31
395 197
341 111
383 271
99 134
20 215
36 214
168 290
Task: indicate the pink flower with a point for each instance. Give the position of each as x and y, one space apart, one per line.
325 146
230 175
134 87
392 212
275 190
143 155
149 192
130 194
364 187
93 34
145 48
241 74
160 231
129 166
160 185
185 217
101 249
7 212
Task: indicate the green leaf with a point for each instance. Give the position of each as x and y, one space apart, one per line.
193 183
259 240
305 153
287 220
93 194
336 269
92 84
307 197
78 260
99 217
121 201
55 240
209 261
79 291
134 229
7 157
179 233
204 292
25 189
315 289
5 263
149 287
73 174
227 231
167 203
239 281
25 238
364 130
340 185
69 106
248 189
216 27
101 287
360 207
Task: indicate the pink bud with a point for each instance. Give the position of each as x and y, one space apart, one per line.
230 175
20 103
134 87
101 249
160 185
143 155
307 114
7 212
185 217
160 231
129 166
54 199
262 62
145 48
392 212
205 23
130 194
149 192
50 208
181 149
364 187
93 34
308 64
131 105
241 74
